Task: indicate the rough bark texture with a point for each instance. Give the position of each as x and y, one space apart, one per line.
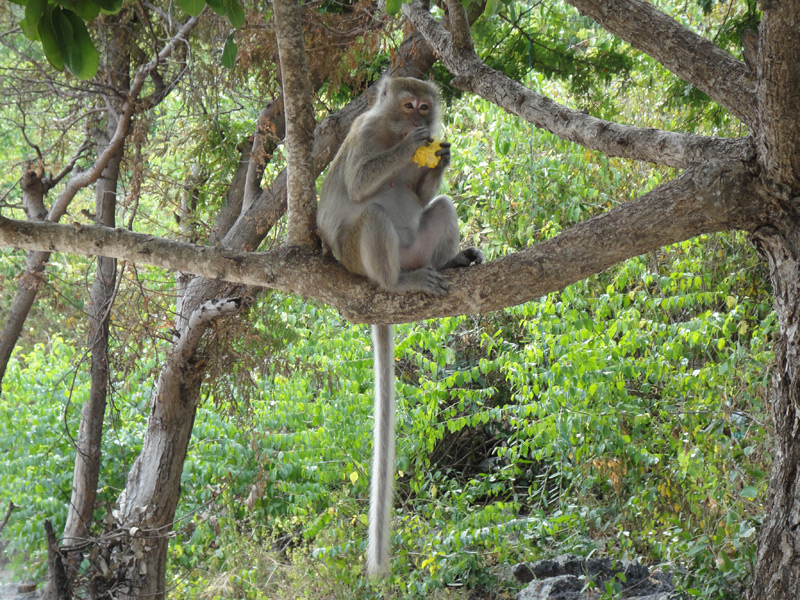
34 188
301 188
661 147
777 570
779 96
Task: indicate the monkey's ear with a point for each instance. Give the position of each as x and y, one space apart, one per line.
383 86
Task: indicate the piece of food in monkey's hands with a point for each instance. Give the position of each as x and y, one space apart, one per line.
425 156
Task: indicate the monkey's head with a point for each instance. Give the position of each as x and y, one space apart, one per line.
407 103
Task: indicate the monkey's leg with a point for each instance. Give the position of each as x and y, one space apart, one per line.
382 257
381 497
437 239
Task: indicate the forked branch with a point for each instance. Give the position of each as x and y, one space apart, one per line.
725 79
679 150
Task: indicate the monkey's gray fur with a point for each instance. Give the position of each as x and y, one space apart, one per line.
379 217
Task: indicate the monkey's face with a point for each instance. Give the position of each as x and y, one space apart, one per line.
416 110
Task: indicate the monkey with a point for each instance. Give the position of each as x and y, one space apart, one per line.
381 218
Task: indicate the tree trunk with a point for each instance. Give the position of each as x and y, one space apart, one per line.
90 433
150 498
777 570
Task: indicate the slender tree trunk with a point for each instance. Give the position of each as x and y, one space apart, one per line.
33 191
27 288
86 473
148 504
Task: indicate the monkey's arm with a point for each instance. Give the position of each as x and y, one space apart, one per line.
431 181
364 178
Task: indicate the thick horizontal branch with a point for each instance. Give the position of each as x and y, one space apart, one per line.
689 56
709 198
679 150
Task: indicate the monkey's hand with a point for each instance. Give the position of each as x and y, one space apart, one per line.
419 136
444 155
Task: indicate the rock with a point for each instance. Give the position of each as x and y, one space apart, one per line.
522 573
568 577
562 587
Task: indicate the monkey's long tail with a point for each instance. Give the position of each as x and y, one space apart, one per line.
381 500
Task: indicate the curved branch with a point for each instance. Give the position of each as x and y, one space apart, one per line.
689 56
709 198
679 150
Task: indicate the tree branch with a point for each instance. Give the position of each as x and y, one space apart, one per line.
709 198
668 148
689 56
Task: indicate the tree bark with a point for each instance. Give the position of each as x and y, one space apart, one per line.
713 197
777 569
672 149
301 187
689 56
33 190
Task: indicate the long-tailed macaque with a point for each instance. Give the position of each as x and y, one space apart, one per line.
379 217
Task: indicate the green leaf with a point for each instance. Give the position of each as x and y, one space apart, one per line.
393 6
90 58
193 7
749 492
65 36
110 7
235 12
491 7
218 6
86 9
49 42
229 51
34 12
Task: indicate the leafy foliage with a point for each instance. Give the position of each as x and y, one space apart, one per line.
623 415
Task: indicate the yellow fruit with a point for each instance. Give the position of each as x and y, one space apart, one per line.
425 156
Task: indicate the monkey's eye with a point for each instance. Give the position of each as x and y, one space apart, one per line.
423 108
410 105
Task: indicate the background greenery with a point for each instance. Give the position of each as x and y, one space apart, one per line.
624 416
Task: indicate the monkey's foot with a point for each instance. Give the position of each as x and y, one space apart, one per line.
465 258
422 280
